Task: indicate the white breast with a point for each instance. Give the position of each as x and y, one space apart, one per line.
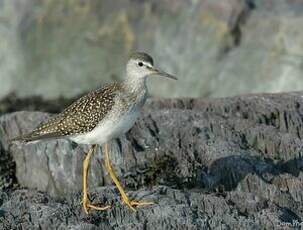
112 126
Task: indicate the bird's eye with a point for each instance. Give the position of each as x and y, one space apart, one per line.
140 64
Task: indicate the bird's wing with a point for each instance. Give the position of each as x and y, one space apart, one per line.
81 116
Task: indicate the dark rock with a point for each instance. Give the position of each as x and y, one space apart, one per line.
12 103
222 163
7 170
174 209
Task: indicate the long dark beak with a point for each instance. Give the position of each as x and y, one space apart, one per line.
162 73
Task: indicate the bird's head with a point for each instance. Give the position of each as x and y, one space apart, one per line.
141 65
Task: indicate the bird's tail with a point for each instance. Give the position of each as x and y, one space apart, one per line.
34 136
22 138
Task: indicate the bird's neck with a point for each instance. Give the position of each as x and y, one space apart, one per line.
136 84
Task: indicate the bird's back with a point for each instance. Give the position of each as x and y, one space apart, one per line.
80 117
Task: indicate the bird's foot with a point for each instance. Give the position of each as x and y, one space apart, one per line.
134 204
87 206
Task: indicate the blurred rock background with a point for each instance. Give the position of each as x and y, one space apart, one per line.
217 48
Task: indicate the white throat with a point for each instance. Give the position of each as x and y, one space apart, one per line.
135 82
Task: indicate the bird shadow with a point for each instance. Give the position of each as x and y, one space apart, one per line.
226 173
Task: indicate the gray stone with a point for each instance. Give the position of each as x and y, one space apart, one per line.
7 170
174 209
224 163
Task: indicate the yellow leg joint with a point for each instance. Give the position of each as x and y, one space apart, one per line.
85 200
125 199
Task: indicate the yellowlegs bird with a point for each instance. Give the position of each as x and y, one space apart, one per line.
100 116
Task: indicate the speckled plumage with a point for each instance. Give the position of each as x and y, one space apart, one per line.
80 117
101 116
105 113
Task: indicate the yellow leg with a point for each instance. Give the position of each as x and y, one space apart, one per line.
85 201
125 199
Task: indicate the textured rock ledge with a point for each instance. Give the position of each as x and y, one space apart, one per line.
174 209
233 162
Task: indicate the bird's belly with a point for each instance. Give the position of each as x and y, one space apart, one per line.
108 129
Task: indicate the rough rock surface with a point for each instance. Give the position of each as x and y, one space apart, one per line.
7 170
226 163
174 209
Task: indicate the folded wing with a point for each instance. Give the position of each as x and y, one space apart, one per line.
80 117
